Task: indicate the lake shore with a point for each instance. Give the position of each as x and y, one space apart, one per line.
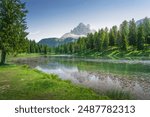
38 76
22 82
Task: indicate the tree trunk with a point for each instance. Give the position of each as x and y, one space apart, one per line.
3 56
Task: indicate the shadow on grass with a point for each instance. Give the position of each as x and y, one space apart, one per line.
2 65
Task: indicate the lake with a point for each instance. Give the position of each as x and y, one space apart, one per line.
99 74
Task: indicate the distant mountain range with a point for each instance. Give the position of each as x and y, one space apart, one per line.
138 22
54 42
80 31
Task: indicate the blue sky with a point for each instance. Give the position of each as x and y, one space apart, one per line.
53 18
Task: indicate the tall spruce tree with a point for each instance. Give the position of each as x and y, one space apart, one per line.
119 40
12 27
97 41
113 36
124 31
102 37
132 33
146 26
140 38
106 39
124 44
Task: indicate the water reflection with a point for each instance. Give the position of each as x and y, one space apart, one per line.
98 74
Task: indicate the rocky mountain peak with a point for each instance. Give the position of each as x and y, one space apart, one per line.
80 31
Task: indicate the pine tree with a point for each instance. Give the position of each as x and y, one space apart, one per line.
140 38
45 49
12 27
124 28
113 36
119 40
101 37
96 41
124 31
146 26
106 39
132 33
124 43
90 43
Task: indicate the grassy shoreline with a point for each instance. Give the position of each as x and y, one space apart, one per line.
23 83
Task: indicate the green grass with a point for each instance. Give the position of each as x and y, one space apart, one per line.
24 83
115 53
21 82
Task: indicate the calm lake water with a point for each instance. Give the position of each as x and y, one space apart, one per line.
99 74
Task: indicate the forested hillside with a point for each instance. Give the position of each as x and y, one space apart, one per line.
129 36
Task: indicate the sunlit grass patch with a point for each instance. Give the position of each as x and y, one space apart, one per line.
22 82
